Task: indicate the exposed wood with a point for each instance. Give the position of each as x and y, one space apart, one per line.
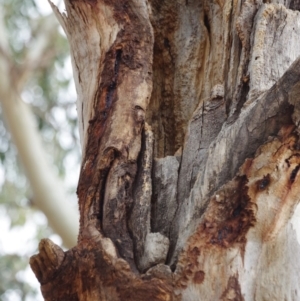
219 206
149 248
165 177
246 221
92 271
261 118
246 238
119 38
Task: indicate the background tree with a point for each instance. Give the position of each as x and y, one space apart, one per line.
216 85
37 106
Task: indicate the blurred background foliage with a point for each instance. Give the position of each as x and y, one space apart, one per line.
51 95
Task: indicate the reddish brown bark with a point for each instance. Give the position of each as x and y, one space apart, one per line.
216 204
93 270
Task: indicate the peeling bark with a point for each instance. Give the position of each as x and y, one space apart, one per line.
258 120
200 202
246 221
113 117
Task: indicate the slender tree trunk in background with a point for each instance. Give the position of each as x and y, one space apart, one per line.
48 192
189 186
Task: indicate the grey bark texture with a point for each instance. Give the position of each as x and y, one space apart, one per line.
189 188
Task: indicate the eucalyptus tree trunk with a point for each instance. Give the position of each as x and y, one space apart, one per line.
189 186
48 192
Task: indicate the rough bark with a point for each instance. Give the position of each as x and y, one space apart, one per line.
214 216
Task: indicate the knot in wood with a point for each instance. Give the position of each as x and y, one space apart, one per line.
139 114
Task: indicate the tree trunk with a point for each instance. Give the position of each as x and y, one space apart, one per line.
48 192
189 186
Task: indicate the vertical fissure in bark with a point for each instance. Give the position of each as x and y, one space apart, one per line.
243 96
294 174
244 29
295 5
256 123
112 87
139 217
160 113
113 144
117 204
204 54
95 168
99 199
206 23
103 115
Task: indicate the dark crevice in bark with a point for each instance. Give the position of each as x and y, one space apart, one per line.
153 199
98 203
103 104
255 125
244 29
263 183
243 94
117 205
160 112
112 87
206 23
106 178
135 233
162 118
232 34
294 174
295 5
140 214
